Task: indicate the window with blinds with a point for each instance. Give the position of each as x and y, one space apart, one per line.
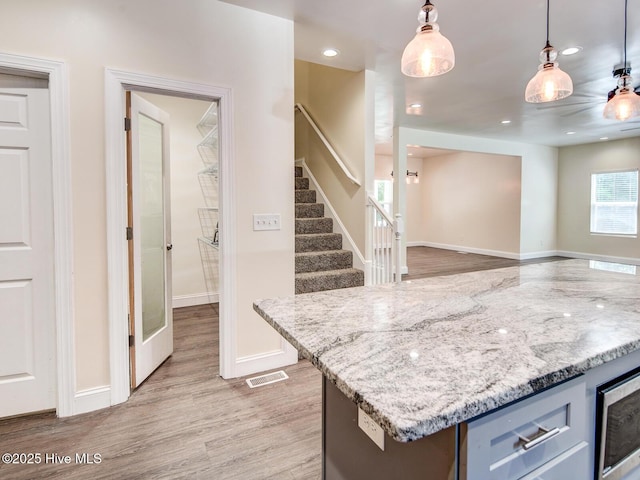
614 203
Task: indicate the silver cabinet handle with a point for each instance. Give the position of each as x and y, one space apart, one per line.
541 436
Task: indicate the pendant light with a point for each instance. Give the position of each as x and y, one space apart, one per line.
550 83
429 54
625 103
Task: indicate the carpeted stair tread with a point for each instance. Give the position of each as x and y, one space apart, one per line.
322 261
309 210
314 242
305 196
302 183
314 225
329 280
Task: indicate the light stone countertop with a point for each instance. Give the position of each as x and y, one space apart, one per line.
427 354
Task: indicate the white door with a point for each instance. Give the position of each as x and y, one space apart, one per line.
150 263
27 310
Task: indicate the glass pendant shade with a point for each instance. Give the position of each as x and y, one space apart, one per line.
550 83
429 54
625 104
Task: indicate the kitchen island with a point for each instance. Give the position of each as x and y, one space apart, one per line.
431 361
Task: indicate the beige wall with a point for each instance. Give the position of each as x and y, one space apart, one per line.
194 40
576 164
186 196
537 185
335 99
463 199
472 200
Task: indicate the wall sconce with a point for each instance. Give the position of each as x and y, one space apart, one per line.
409 175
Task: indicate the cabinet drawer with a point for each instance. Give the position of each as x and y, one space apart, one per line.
573 463
517 439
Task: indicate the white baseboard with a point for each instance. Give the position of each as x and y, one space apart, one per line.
194 299
460 248
541 254
266 361
601 258
416 244
92 399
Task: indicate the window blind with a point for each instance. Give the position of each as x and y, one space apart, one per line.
614 203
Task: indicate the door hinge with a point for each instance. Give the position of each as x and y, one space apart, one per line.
132 340
129 233
127 124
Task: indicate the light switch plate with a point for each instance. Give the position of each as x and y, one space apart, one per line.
371 428
266 221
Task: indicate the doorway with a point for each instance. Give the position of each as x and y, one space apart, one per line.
116 83
173 213
61 315
27 341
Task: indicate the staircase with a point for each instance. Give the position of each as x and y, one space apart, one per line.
321 263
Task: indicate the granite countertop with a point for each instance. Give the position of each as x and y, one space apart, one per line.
421 356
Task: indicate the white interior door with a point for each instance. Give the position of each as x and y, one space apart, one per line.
27 302
150 217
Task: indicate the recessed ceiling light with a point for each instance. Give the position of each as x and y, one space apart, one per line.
571 50
571 133
330 52
604 138
415 105
505 122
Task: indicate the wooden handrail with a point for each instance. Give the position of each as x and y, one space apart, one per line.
335 155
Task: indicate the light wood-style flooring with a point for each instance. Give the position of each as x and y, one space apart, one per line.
432 262
185 422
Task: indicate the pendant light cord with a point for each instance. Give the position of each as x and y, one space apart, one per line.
548 45
624 65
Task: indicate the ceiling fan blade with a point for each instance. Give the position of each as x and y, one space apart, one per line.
586 95
558 105
575 112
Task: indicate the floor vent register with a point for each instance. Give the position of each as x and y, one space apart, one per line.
266 379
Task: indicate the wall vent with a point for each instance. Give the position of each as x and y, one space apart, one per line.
266 379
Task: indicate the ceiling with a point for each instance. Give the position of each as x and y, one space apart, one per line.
496 44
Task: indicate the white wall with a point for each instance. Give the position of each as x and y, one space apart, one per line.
200 41
539 202
414 193
576 164
188 282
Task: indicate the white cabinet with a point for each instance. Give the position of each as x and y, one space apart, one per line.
538 436
574 463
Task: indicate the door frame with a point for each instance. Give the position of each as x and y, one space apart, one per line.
68 403
116 82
